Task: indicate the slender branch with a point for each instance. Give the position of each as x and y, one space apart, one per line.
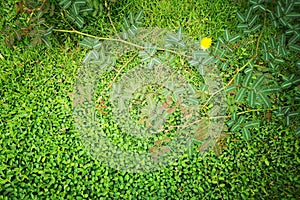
34 9
260 35
63 16
117 40
97 37
110 20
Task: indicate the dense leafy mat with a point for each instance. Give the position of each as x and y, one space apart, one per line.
42 156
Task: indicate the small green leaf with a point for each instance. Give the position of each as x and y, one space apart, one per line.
248 70
221 40
286 84
224 66
278 11
278 60
138 16
251 98
282 51
287 120
273 18
240 94
249 14
240 17
144 56
246 133
234 116
293 15
255 28
87 57
172 39
66 4
296 80
235 127
252 124
260 7
251 23
216 47
283 21
156 61
286 111
86 10
226 35
264 46
193 63
79 21
126 23
295 48
230 88
131 19
230 123
207 60
86 43
289 8
298 131
242 26
238 79
272 43
48 31
46 42
75 9
294 39
241 119
234 38
131 32
180 33
63 2
271 56
282 40
95 55
247 79
293 114
270 89
97 46
70 17
199 54
201 70
265 100
258 81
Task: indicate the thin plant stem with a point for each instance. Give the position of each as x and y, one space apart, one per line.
110 20
97 37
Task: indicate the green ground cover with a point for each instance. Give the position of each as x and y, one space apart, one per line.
43 157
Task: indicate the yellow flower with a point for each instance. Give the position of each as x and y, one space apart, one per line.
205 43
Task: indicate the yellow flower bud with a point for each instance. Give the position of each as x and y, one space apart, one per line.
205 43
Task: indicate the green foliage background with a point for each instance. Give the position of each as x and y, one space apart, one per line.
42 157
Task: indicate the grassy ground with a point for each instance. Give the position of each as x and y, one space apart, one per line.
42 156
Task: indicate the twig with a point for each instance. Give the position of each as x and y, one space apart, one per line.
97 37
110 20
259 37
